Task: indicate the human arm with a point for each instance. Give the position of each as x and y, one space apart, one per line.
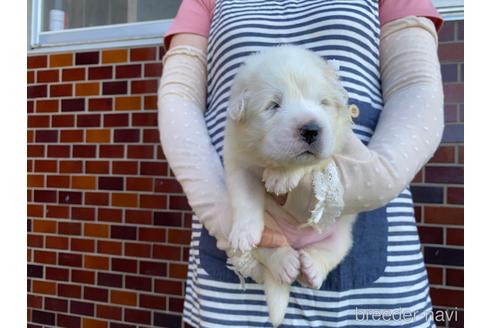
185 140
410 125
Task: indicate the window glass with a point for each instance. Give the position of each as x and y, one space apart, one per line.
69 14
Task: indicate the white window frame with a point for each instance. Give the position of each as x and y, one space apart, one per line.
141 33
106 36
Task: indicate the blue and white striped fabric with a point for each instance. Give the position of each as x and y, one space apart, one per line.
383 281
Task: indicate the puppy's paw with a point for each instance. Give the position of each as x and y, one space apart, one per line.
245 235
312 273
283 263
281 181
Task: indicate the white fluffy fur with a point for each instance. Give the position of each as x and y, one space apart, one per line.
275 93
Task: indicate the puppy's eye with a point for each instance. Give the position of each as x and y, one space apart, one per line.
273 106
325 102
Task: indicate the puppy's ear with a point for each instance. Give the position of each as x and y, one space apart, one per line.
237 106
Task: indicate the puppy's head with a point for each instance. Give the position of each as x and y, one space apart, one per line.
288 107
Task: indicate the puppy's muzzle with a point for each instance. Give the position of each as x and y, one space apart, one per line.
309 132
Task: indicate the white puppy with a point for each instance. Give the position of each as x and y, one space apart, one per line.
288 115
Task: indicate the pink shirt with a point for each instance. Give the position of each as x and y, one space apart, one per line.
194 16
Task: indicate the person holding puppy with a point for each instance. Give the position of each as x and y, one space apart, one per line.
388 62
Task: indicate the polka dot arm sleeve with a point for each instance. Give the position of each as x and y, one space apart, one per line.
186 142
411 124
188 148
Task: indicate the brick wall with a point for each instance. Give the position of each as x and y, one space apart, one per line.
108 226
438 188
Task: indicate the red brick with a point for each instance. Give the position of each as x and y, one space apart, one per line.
109 214
43 136
30 106
57 242
97 167
124 265
38 121
153 201
83 213
69 290
179 236
58 60
151 135
34 210
123 232
123 297
73 74
44 287
444 174
93 323
455 277
71 166
82 276
179 203
68 197
37 61
137 316
100 73
97 198
70 259
73 105
113 120
152 234
46 106
444 154
45 196
430 235
451 52
125 167
137 249
146 152
35 150
50 75
453 93
111 151
83 308
166 252
69 228
55 211
35 241
115 56
144 119
87 58
109 312
55 304
95 294
44 257
178 271
63 120
72 136
141 54
85 151
58 151
443 215
150 102
144 86
34 180
152 301
44 226
128 71
96 230
61 90
168 287
96 262
139 184
447 297
138 216
153 168
114 87
435 275
30 77
90 120
109 247
455 195
100 104
37 91
60 274
58 181
126 135
153 70
455 237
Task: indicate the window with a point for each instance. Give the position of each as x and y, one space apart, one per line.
85 22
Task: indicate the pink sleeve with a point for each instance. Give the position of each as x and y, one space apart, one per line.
393 9
193 17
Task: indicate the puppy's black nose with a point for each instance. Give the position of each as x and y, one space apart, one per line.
309 132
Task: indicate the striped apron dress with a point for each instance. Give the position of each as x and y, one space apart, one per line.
383 281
